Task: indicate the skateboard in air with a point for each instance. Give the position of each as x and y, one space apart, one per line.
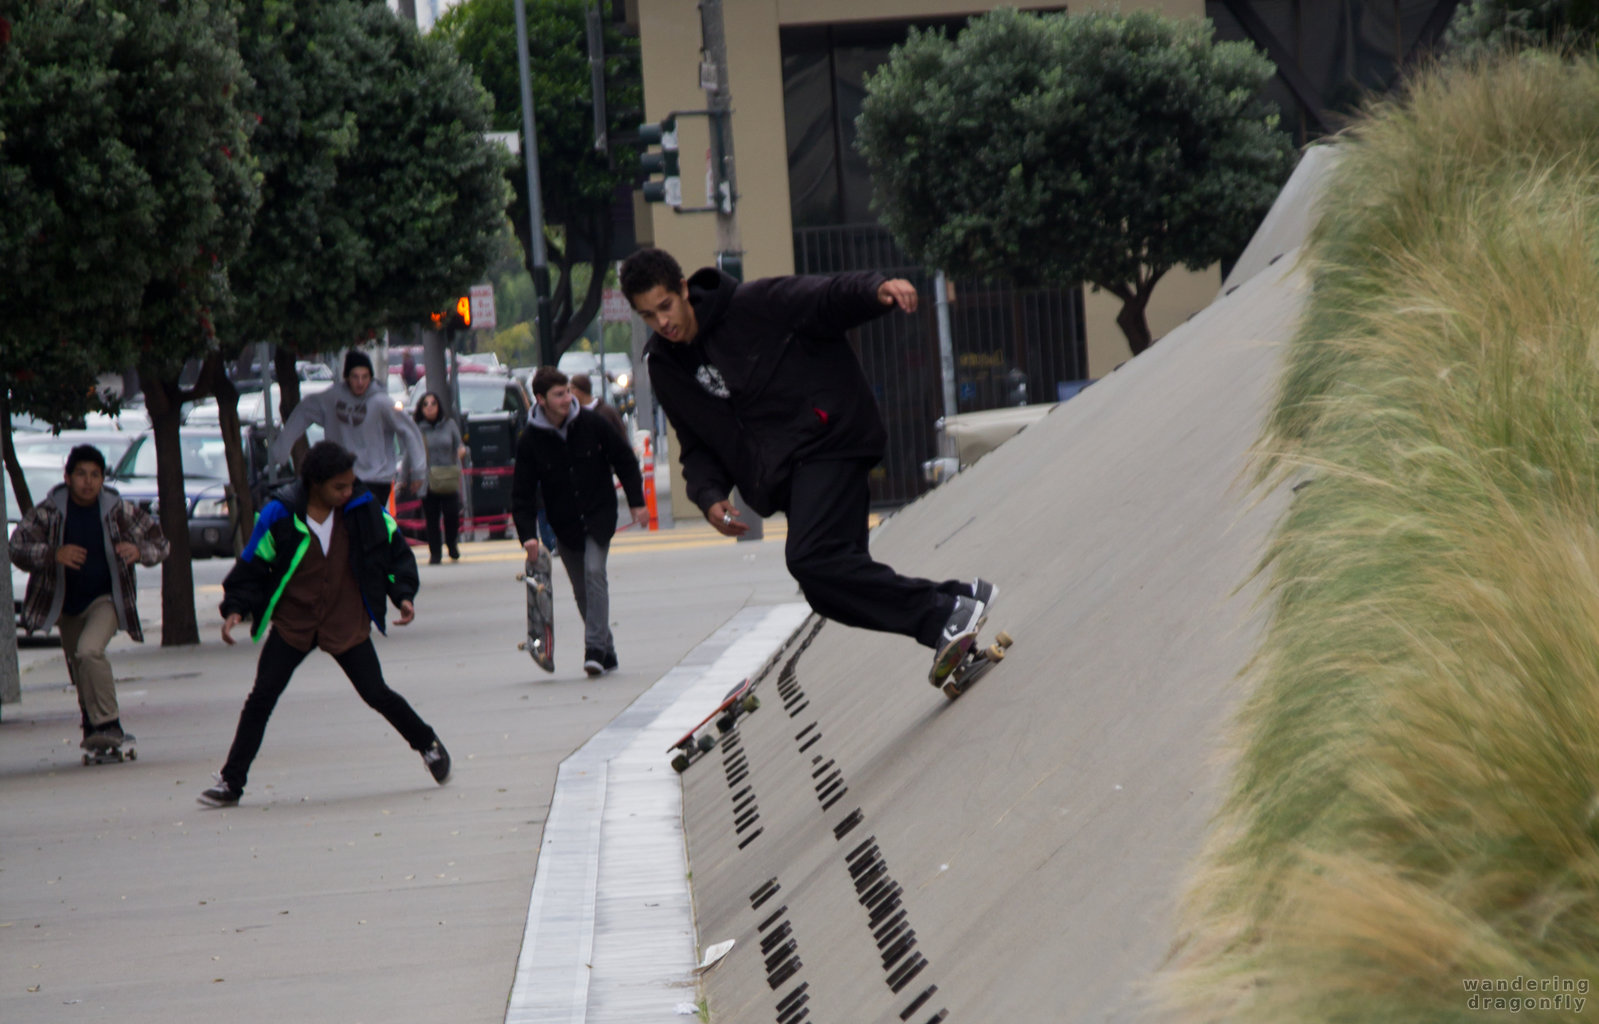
540 642
962 662
113 755
740 700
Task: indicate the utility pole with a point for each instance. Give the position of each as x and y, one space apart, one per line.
719 100
724 177
535 198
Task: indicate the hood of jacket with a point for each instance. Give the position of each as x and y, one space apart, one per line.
710 292
536 418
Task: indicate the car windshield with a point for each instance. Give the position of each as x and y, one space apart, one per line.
54 447
202 456
488 399
40 479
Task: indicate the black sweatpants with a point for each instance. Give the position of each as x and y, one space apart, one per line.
827 554
272 674
445 507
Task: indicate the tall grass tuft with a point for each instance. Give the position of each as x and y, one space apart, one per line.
1415 802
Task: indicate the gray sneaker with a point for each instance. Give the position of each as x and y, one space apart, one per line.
960 632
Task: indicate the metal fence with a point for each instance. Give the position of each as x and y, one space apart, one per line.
1012 346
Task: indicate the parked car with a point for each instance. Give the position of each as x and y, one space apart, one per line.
205 479
206 412
41 476
44 448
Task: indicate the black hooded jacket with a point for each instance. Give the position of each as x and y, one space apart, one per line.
769 381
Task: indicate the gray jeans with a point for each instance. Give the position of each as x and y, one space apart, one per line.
83 640
586 569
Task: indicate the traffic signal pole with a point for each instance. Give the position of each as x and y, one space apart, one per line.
719 100
535 198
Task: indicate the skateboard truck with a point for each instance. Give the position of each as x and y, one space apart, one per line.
740 700
125 751
974 663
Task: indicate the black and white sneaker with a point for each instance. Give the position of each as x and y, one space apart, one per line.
221 795
608 663
960 632
984 592
438 761
593 661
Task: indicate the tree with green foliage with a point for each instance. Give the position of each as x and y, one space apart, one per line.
75 233
1482 27
381 196
128 188
1102 148
580 186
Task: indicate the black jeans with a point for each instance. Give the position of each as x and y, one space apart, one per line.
827 554
447 507
272 673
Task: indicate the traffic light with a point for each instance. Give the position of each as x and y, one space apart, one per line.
457 319
669 189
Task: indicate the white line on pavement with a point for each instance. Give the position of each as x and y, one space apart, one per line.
610 928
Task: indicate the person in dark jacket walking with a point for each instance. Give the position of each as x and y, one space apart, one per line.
564 463
583 391
765 394
320 569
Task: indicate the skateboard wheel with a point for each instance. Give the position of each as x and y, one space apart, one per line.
750 702
522 646
1003 638
996 653
724 724
133 755
952 690
85 760
680 763
706 742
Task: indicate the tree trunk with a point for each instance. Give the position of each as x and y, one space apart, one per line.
241 503
178 623
288 378
19 482
584 314
1133 323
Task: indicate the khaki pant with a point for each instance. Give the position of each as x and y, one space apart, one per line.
83 641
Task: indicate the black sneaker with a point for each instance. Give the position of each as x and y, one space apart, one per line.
221 795
104 737
984 592
960 630
438 761
609 661
593 661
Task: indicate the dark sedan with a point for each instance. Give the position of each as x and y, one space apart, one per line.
205 478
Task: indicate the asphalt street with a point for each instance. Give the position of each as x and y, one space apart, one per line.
346 886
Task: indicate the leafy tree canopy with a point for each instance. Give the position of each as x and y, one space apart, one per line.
1099 147
578 184
1480 27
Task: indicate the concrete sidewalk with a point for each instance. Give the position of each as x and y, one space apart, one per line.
346 886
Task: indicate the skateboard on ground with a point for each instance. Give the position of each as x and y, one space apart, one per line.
740 700
540 642
113 755
968 662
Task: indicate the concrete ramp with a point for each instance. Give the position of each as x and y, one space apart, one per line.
879 853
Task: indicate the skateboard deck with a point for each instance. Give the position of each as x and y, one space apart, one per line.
113 755
540 642
740 700
968 662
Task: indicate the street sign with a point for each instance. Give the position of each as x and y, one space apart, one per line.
483 307
614 307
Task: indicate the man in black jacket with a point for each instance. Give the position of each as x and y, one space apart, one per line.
322 565
765 393
564 462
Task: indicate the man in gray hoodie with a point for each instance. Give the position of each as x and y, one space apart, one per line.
360 416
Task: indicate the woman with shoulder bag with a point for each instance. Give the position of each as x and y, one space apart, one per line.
445 450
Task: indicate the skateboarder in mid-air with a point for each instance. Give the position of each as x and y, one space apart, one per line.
765 394
320 569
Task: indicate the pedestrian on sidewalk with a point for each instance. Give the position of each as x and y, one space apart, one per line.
79 545
564 464
766 394
583 391
359 415
441 436
320 569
